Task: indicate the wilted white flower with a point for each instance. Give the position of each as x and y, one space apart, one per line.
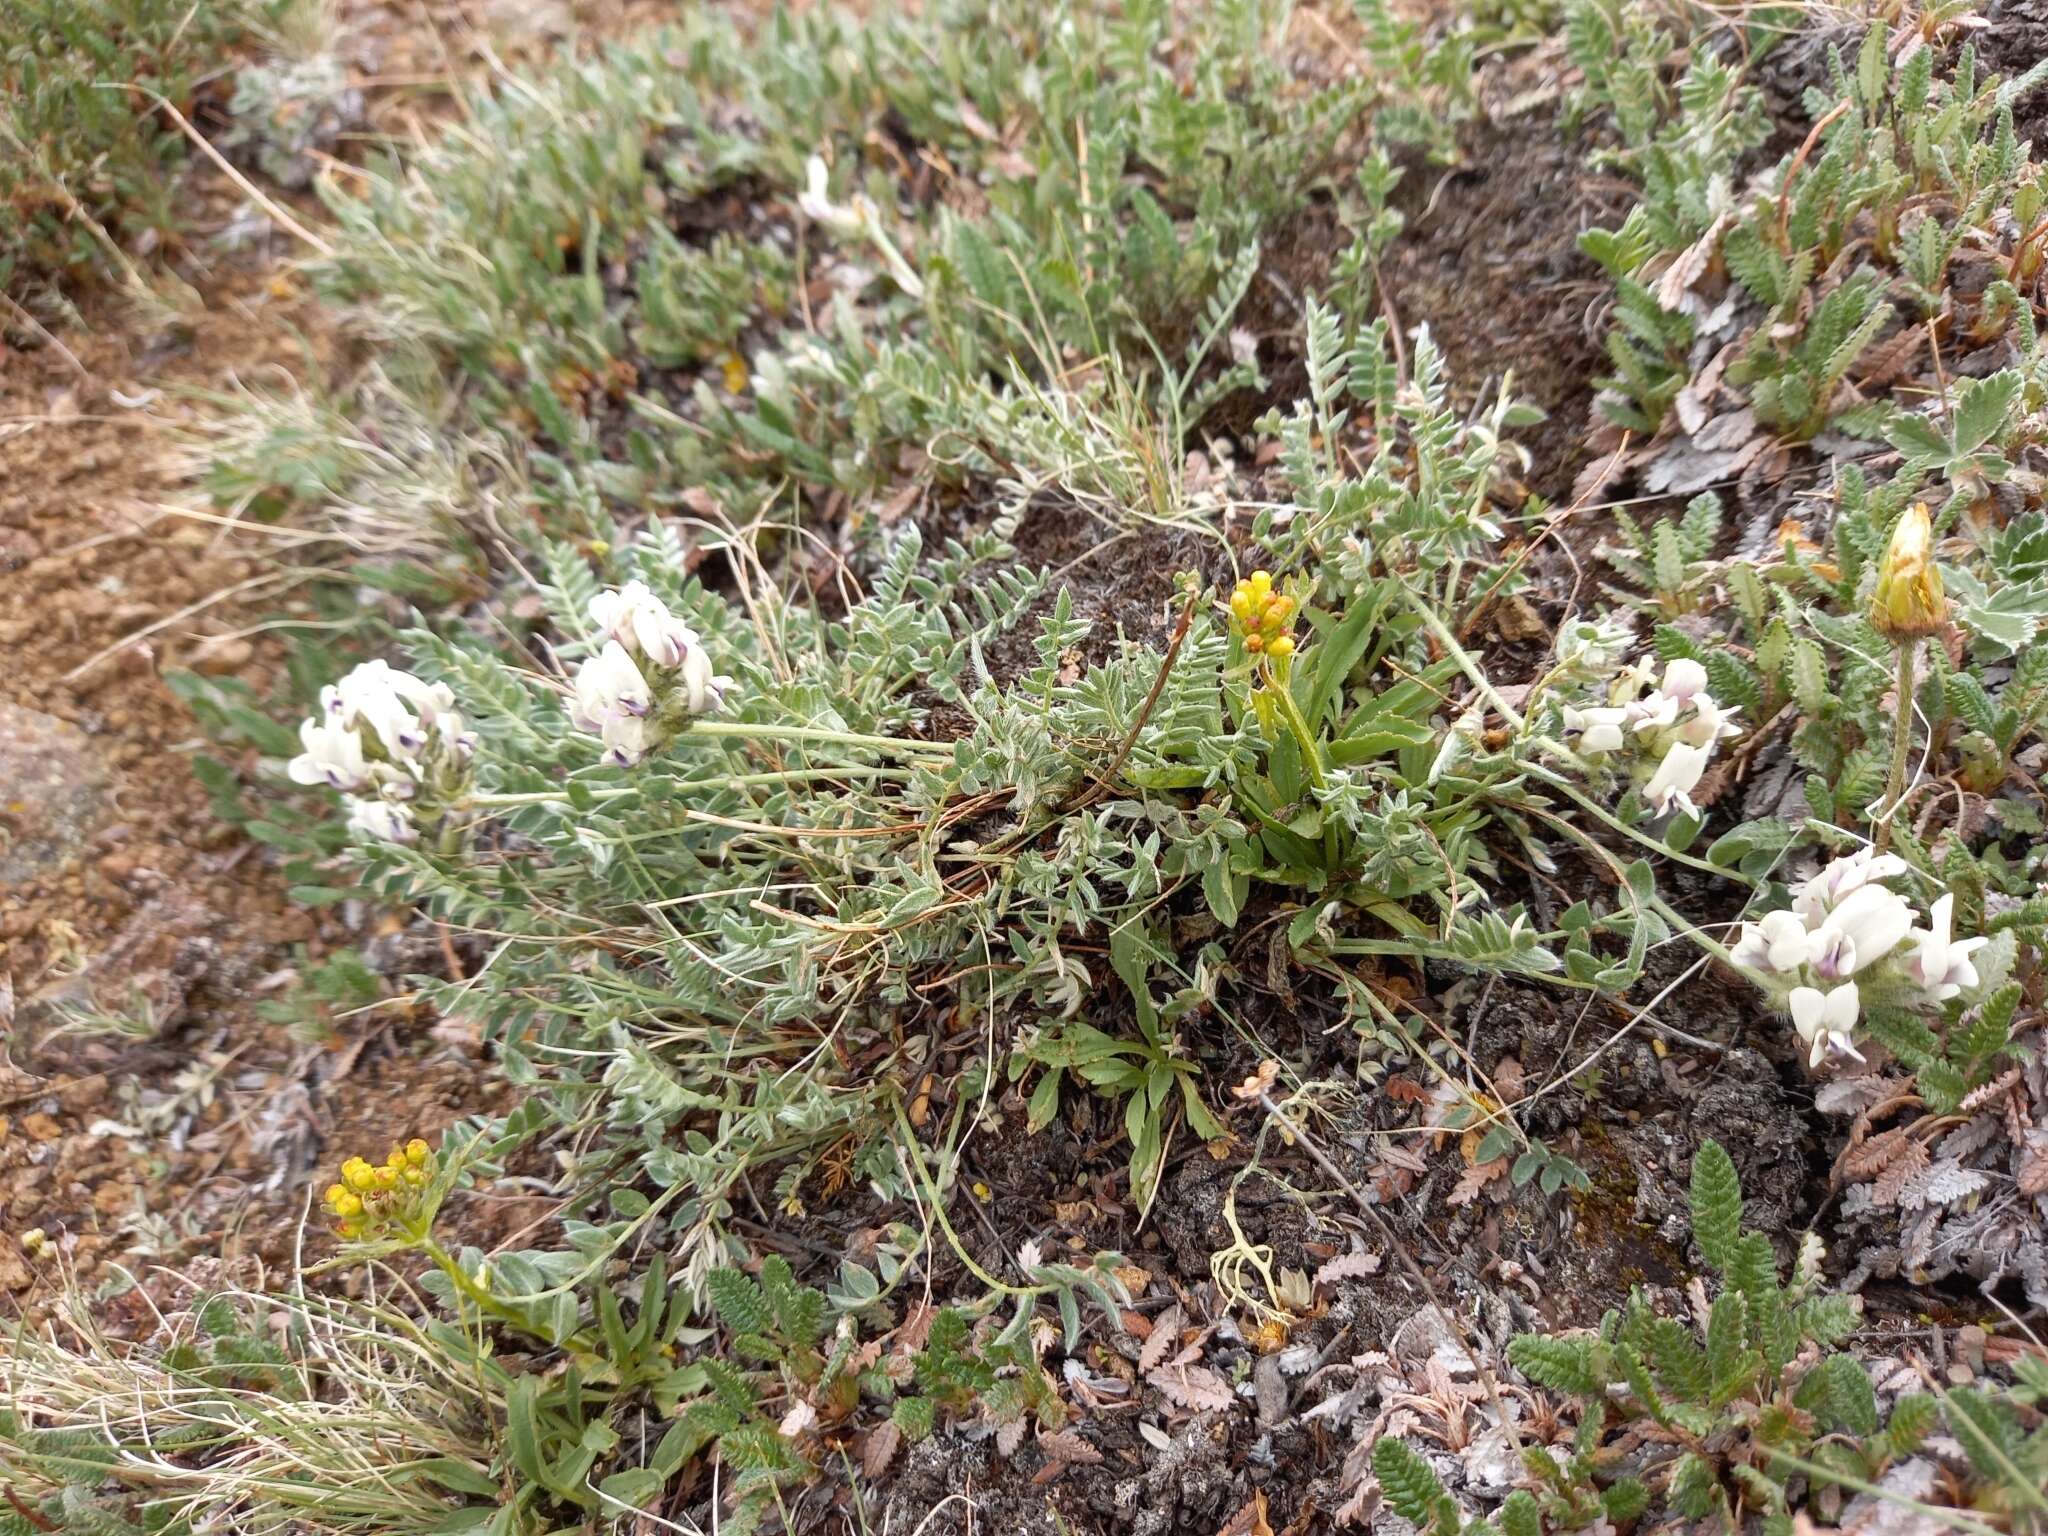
639 620
1826 1021
1778 942
815 201
333 757
1860 930
858 221
381 820
611 701
1600 727
1671 786
1938 963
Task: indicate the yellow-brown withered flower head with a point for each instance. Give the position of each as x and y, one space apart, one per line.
1908 602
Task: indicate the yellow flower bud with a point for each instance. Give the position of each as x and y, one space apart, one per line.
1280 610
386 1177
1262 583
358 1175
1254 643
1241 605
395 1158
1908 602
1281 647
417 1152
336 1193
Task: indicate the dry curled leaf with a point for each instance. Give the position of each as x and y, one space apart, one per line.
1193 1386
916 1328
880 1448
1009 1437
1069 1448
1905 1165
1875 1155
1997 1088
1250 1520
1689 264
1163 1340
1347 1266
1476 1178
2033 1174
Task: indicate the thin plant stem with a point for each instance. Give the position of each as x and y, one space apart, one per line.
735 781
745 731
907 1140
1902 742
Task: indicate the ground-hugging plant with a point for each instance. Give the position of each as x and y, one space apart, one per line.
1748 1412
606 358
1907 163
784 761
88 161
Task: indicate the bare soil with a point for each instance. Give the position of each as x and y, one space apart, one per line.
198 1126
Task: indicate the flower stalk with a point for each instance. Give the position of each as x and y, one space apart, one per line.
1906 606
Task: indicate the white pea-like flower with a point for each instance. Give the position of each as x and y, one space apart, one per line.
1939 963
1707 723
1684 680
703 691
1601 728
404 712
640 621
1826 1021
611 701
333 756
1860 930
1847 931
1813 899
815 201
381 821
1671 786
1778 941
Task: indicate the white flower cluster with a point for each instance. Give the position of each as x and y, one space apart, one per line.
618 702
381 735
1675 726
1841 924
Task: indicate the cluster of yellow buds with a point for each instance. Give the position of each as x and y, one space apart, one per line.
1264 617
370 1195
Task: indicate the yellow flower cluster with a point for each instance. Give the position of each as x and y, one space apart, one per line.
372 1195
1264 617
